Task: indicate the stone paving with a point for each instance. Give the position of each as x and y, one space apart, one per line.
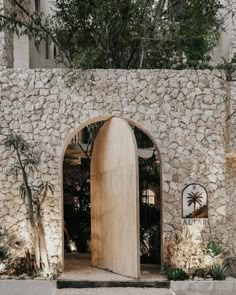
115 291
78 267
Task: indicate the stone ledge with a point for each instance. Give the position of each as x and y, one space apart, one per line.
27 287
204 287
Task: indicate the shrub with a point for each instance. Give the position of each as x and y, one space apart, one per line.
176 274
182 252
24 265
215 250
214 254
219 272
3 253
11 248
200 272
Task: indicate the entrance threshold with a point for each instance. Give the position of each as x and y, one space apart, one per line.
79 273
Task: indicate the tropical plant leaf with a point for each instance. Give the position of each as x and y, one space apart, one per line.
15 142
215 249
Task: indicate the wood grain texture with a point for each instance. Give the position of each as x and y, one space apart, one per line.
114 200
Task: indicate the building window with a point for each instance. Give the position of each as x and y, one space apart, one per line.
149 197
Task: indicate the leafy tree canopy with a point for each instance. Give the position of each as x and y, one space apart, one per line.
124 33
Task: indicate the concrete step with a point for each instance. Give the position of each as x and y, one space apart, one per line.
27 287
115 291
75 284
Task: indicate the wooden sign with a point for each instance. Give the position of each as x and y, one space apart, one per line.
194 201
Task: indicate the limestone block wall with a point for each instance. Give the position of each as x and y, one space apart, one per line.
233 84
231 188
232 5
231 121
184 111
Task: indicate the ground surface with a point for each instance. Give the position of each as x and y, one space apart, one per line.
114 291
78 267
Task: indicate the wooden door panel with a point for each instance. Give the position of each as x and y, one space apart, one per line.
114 199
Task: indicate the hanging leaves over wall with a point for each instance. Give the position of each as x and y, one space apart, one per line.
124 33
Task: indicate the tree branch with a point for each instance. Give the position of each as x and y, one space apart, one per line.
37 21
28 190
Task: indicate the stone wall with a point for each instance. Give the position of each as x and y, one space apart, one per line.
231 118
231 191
184 111
232 5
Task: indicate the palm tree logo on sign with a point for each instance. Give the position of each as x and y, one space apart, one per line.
194 201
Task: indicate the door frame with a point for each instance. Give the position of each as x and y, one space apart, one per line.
66 143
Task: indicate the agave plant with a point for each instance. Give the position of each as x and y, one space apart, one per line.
219 272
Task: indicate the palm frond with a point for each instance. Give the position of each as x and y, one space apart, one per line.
199 202
190 202
30 163
14 170
15 141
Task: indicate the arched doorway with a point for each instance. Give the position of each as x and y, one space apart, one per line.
77 202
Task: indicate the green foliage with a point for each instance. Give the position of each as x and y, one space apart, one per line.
77 213
25 162
229 68
215 249
219 272
18 145
4 254
200 272
196 258
124 34
199 30
176 274
149 177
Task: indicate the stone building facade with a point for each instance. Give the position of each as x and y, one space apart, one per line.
184 111
187 113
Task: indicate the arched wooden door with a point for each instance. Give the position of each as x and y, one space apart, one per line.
114 200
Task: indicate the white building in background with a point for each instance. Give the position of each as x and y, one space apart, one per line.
224 48
26 53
